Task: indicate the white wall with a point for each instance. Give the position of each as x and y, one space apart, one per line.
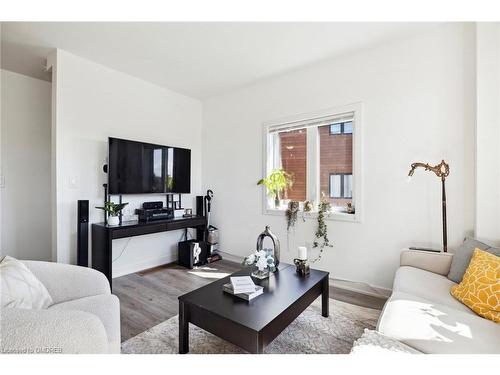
416 107
487 223
1 171
94 102
25 157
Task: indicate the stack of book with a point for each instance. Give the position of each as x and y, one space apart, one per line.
243 287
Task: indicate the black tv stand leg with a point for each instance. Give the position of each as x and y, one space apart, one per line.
101 252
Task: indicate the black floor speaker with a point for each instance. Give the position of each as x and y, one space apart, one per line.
82 246
186 255
200 209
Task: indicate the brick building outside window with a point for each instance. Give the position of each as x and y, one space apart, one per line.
335 162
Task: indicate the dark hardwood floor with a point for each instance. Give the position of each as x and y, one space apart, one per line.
149 297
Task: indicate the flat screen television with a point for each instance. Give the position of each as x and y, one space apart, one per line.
144 168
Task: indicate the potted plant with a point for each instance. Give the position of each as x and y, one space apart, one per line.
113 210
276 183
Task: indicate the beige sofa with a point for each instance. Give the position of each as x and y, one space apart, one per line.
84 318
422 313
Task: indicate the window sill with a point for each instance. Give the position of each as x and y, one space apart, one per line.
334 216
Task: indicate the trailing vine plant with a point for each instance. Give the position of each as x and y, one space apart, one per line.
291 219
321 241
291 214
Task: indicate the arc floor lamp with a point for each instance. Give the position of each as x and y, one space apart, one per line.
442 170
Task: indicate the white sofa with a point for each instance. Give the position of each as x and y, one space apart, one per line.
84 318
422 313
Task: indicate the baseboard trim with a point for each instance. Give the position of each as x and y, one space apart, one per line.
231 257
141 266
361 288
151 263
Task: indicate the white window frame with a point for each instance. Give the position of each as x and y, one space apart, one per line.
312 183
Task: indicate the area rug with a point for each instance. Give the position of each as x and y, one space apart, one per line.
309 333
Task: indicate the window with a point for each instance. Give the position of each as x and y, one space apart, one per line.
319 153
340 185
336 129
341 128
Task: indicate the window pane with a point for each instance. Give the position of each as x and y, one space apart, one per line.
335 187
293 154
335 158
335 128
348 185
348 127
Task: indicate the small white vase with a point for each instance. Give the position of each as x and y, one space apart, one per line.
113 220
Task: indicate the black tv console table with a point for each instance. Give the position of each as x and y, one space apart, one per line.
104 234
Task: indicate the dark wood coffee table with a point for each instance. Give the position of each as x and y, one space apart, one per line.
251 325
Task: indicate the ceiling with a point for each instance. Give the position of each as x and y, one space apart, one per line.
196 59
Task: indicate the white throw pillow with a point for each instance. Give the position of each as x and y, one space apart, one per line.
20 288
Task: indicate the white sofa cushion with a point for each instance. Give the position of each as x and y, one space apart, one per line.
431 327
106 307
49 331
78 281
73 323
19 288
427 285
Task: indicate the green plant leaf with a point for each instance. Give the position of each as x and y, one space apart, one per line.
112 208
277 181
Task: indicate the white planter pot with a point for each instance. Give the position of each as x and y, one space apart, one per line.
113 220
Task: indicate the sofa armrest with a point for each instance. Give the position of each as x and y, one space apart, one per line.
51 331
430 261
66 282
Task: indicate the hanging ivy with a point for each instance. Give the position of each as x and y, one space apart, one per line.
291 214
321 236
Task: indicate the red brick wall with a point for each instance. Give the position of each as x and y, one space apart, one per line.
335 157
293 159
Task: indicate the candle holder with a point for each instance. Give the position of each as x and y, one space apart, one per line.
302 267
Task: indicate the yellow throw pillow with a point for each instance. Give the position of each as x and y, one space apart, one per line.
480 287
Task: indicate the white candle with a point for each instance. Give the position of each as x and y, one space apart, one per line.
302 253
